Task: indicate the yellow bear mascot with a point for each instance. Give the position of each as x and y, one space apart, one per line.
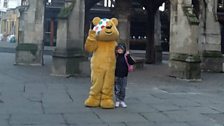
101 41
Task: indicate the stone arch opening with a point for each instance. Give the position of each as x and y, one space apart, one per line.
142 35
153 47
138 23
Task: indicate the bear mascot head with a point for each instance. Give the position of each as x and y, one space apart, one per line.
101 41
105 29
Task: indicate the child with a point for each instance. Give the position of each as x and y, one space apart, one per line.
121 73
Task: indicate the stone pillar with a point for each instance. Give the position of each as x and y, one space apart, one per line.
29 50
210 37
157 38
150 56
184 54
68 56
122 12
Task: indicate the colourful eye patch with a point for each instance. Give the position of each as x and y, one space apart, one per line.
103 23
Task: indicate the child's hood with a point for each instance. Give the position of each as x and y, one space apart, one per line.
122 46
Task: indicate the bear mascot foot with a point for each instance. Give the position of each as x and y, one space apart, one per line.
92 102
107 103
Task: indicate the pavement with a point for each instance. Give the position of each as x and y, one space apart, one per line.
11 48
30 96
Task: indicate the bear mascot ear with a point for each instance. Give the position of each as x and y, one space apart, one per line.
115 21
96 21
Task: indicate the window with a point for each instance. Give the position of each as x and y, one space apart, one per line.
109 3
5 4
220 5
25 2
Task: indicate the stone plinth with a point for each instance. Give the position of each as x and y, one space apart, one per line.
184 66
69 62
212 61
28 54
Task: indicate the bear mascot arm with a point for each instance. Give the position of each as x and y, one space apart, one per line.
91 42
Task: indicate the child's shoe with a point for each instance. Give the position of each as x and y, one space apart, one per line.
117 104
123 104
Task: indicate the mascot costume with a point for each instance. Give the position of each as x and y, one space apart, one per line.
101 41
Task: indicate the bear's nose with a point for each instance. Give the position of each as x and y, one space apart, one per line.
109 27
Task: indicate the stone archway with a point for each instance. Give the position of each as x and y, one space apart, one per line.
123 9
152 48
185 54
68 44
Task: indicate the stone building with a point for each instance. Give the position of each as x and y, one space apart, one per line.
10 22
195 35
8 4
9 17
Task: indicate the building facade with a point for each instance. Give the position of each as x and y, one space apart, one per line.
7 4
195 38
9 17
10 23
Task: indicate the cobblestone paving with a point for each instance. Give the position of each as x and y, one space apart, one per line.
30 96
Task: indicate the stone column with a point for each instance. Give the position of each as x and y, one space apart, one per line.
184 54
122 12
210 37
29 50
68 56
157 38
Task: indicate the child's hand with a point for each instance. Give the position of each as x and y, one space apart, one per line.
127 52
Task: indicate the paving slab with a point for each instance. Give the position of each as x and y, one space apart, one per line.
36 119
